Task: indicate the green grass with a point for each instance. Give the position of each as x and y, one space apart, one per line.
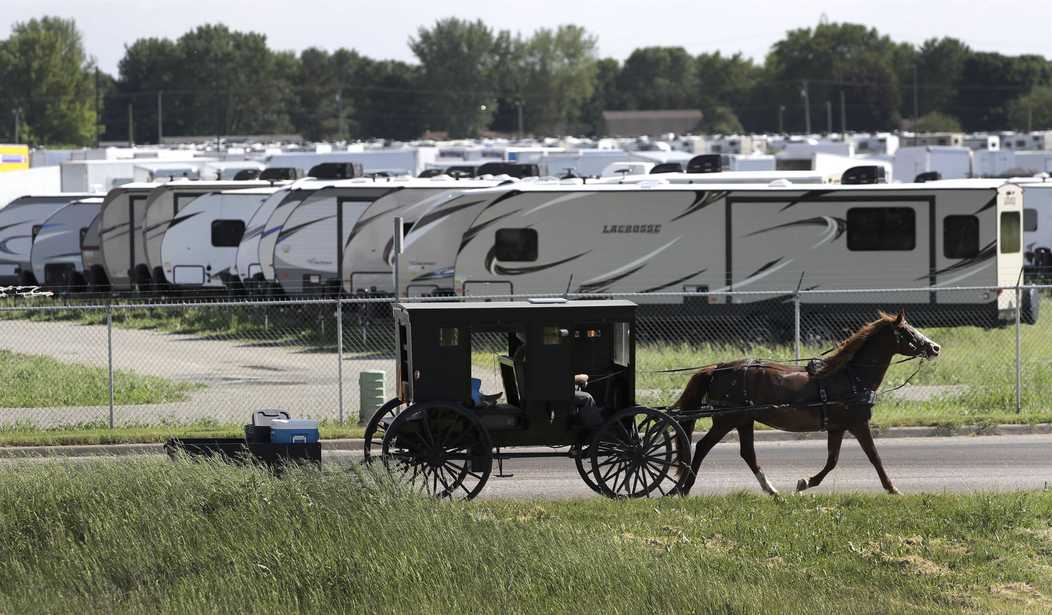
100 433
38 382
201 538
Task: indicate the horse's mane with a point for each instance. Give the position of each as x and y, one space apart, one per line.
847 349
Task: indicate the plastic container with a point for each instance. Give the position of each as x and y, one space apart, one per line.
476 391
294 431
259 429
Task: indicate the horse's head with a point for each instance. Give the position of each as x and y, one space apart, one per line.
909 341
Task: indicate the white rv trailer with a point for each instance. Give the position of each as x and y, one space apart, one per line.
227 169
409 160
617 239
430 248
949 162
249 270
120 248
91 256
268 237
1037 226
368 249
162 211
19 222
56 253
200 249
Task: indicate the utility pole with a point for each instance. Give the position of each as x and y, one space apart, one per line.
518 106
98 120
843 115
781 123
18 125
1029 118
807 107
916 106
131 126
160 117
829 117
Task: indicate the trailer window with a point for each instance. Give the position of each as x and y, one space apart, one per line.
448 336
516 244
227 233
960 236
1010 239
881 229
1029 219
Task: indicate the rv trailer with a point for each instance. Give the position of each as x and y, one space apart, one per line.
249 270
1037 229
674 239
201 250
275 222
56 253
20 221
120 248
368 256
163 211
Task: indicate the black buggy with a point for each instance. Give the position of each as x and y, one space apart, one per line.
567 380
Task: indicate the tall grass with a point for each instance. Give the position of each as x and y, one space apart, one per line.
191 538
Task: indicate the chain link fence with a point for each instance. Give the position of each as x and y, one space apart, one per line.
214 363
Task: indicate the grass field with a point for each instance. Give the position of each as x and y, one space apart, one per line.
200 538
37 382
100 433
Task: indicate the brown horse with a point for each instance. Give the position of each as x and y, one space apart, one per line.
834 395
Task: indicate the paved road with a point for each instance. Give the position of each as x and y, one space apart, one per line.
933 465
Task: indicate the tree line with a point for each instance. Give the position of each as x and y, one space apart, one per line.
470 79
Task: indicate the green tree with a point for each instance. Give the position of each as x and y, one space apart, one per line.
605 95
832 58
46 76
940 64
989 80
559 69
658 78
149 66
1032 111
456 60
726 85
937 122
392 107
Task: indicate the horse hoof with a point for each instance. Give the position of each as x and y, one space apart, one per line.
894 491
801 485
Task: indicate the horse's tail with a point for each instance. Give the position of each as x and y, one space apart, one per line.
696 390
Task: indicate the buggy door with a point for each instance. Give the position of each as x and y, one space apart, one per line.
549 374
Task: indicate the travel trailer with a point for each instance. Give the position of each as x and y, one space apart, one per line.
121 261
249 270
674 239
368 257
200 250
162 211
20 220
94 271
56 253
1037 228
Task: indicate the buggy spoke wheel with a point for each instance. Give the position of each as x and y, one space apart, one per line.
580 460
441 451
639 452
377 426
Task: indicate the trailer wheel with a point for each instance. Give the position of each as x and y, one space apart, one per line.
439 450
640 452
377 427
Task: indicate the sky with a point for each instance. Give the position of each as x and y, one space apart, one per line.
381 29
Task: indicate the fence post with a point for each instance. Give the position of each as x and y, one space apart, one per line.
339 354
796 323
1018 350
109 355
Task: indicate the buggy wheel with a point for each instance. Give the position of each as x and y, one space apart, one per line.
441 451
582 460
377 426
640 452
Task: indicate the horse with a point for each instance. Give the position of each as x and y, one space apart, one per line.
835 394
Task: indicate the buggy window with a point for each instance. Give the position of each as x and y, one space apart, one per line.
960 236
449 336
227 233
1010 240
516 244
622 345
881 229
552 336
1029 219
